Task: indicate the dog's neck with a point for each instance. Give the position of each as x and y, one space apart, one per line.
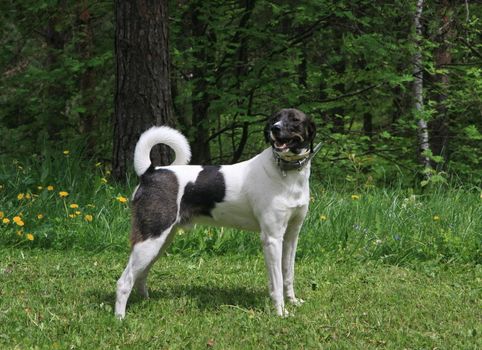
288 162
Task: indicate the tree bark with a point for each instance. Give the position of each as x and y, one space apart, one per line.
423 141
143 93
201 153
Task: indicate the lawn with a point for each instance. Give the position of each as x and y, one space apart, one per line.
64 300
394 268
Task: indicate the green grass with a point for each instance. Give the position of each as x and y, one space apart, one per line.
379 268
64 300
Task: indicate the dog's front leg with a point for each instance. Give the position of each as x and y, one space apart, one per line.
272 248
290 243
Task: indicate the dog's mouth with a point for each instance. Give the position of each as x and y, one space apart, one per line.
285 144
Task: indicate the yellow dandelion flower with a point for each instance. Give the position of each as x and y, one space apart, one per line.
72 216
323 217
20 223
30 236
20 196
66 152
40 216
74 206
355 197
28 196
122 199
88 218
50 188
19 233
6 220
77 212
2 214
63 194
40 188
17 219
436 218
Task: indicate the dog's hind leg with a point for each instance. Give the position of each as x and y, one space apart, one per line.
143 255
290 242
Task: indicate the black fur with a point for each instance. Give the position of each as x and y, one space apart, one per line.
154 206
200 197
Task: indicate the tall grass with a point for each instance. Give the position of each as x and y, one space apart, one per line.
394 225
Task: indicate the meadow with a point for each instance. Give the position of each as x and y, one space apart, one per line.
379 268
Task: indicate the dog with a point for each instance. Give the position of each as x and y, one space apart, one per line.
268 193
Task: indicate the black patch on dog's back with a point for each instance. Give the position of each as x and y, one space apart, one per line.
200 197
154 207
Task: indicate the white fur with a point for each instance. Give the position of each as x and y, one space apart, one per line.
259 197
165 135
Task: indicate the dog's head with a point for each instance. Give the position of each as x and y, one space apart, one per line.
290 130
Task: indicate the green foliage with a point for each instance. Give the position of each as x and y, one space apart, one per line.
347 64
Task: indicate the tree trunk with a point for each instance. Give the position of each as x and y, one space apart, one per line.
423 142
143 93
201 153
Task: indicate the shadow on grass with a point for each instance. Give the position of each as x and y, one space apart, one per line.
202 296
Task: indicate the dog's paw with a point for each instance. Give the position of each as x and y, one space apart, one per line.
296 301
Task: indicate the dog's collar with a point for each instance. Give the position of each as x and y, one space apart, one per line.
297 164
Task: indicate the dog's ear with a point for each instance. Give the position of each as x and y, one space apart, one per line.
311 131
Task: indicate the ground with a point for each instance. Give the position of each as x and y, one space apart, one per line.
64 299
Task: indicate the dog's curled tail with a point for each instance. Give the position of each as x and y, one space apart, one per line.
164 135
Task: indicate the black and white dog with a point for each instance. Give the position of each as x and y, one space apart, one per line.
268 193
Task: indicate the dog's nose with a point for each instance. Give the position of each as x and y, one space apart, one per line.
276 127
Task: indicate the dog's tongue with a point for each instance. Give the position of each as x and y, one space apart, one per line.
281 145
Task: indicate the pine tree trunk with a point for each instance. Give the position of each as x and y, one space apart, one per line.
423 141
143 94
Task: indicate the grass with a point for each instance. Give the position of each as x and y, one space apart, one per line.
65 300
379 268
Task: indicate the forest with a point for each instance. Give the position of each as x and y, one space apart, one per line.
349 65
389 255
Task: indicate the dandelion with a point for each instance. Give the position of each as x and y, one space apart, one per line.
20 196
20 233
436 218
323 217
40 188
28 196
40 216
88 218
2 214
74 206
30 236
122 199
50 188
63 194
355 197
77 212
6 220
66 152
20 223
17 219
72 216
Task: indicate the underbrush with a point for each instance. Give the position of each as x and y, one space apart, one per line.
60 201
